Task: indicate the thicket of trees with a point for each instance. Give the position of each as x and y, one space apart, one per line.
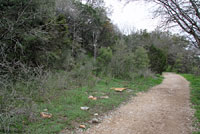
64 44
171 47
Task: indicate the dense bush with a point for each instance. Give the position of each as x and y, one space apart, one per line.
158 59
103 60
122 61
36 40
141 59
127 64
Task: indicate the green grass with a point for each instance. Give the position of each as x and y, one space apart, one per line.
195 97
66 111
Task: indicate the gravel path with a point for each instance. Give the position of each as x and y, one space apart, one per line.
165 109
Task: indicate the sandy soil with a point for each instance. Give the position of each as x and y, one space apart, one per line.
165 109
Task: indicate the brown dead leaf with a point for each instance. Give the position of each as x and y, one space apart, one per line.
92 98
45 115
95 98
119 89
82 126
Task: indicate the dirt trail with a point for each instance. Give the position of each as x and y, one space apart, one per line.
165 109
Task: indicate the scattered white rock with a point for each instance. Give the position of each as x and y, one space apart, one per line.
84 108
104 97
96 114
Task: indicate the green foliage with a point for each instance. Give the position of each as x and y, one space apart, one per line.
170 44
66 108
108 36
121 64
158 59
127 64
103 59
178 67
195 96
41 37
196 70
17 103
38 34
104 56
141 60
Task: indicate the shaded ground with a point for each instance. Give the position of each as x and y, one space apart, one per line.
165 109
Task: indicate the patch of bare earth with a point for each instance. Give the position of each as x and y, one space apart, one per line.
165 109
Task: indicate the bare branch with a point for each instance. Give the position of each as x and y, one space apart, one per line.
185 13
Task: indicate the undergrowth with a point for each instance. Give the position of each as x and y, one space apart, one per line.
66 111
62 94
195 98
